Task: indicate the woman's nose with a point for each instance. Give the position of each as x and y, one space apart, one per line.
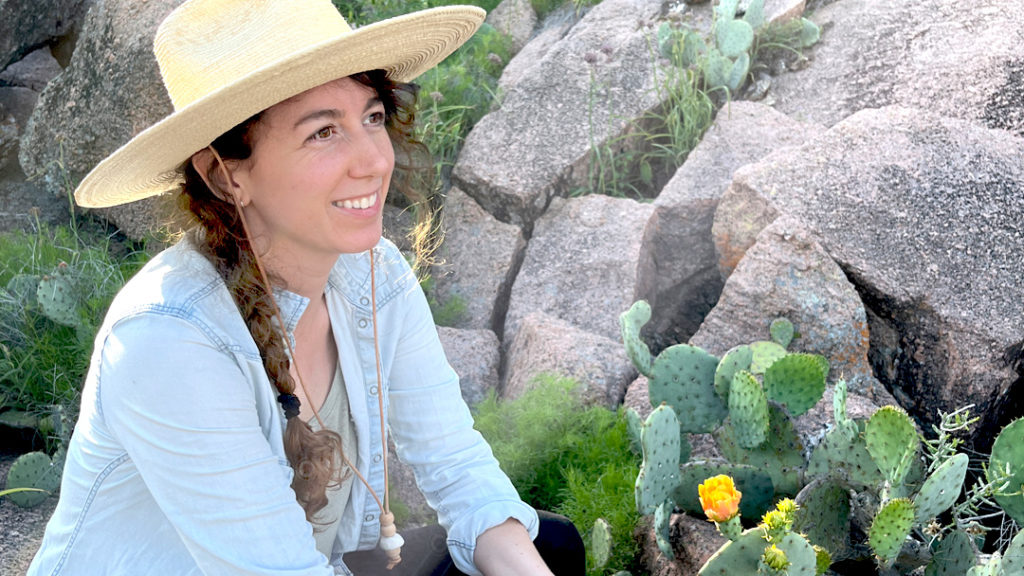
373 155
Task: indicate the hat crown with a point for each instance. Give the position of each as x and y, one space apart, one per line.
205 45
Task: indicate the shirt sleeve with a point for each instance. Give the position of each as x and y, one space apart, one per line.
185 413
433 432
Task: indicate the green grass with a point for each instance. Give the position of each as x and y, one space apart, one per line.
564 457
43 362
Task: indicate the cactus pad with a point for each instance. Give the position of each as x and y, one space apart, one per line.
58 299
756 486
845 456
1008 450
733 37
797 381
738 557
780 456
941 489
630 322
683 377
633 426
843 422
1013 556
22 288
892 442
953 556
781 329
823 514
659 471
765 354
802 560
748 410
33 470
662 525
733 361
890 528
600 542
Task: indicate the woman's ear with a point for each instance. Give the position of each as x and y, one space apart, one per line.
220 180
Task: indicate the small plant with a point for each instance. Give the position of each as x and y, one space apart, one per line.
32 478
570 459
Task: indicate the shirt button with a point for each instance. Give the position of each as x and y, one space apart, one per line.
364 301
362 323
373 390
369 517
376 457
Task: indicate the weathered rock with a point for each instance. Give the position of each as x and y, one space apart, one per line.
787 273
8 139
679 237
110 91
693 541
545 344
23 206
34 71
778 10
398 222
405 493
27 24
585 91
932 54
534 50
19 102
584 264
516 19
475 355
923 214
638 397
479 259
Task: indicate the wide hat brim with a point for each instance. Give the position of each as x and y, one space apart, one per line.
405 47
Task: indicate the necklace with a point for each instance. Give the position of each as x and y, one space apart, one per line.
390 540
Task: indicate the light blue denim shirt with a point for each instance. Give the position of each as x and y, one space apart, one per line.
177 463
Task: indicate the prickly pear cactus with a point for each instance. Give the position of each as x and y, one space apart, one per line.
58 299
601 542
659 471
630 323
682 377
892 442
780 455
756 486
22 288
846 426
797 381
765 354
954 556
662 520
1008 451
823 514
781 329
748 410
941 489
845 457
32 470
733 361
738 557
890 528
633 426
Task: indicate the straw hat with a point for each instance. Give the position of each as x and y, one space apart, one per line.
223 61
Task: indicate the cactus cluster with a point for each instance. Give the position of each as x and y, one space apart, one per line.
742 399
725 59
56 295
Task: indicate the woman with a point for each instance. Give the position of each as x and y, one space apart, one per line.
212 442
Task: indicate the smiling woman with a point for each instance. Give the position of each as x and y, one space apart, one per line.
245 384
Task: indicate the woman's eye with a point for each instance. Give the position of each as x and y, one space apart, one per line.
376 118
323 133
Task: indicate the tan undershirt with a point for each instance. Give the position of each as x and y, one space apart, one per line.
335 414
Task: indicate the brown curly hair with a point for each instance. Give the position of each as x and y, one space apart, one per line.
217 230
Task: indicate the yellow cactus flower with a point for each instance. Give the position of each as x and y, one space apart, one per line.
719 498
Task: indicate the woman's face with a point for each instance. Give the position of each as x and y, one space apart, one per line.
319 173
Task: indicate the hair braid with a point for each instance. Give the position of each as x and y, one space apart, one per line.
217 232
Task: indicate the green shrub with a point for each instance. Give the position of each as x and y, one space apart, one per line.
43 361
564 457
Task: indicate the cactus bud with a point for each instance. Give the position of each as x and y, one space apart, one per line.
775 558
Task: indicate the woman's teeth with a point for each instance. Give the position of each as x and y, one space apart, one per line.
358 203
